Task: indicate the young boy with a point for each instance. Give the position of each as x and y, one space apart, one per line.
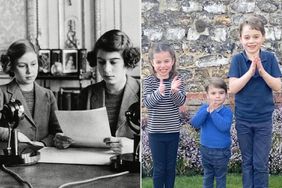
214 119
253 75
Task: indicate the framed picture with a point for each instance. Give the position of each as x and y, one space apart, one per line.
70 61
44 61
3 75
82 61
56 62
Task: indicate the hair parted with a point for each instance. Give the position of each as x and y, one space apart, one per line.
217 83
15 51
162 47
255 22
115 41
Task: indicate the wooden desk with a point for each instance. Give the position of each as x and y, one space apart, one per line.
53 175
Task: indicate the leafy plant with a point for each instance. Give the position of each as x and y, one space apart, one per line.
188 156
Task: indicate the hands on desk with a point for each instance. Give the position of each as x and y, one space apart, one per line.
61 141
120 144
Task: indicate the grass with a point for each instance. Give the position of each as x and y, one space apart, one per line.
233 181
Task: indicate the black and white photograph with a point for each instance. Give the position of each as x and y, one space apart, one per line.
70 61
56 62
59 128
44 57
82 60
140 93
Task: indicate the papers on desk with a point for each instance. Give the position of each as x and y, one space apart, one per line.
87 128
87 156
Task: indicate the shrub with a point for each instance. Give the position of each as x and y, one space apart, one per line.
275 158
188 156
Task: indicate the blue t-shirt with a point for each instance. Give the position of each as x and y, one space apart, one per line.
254 102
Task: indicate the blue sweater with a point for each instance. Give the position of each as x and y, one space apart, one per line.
163 111
215 126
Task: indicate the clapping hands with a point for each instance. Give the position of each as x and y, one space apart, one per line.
175 84
213 105
256 64
259 66
162 87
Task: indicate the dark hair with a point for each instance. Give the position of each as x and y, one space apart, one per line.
15 51
112 41
254 22
217 83
162 47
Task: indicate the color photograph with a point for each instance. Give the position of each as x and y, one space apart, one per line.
226 58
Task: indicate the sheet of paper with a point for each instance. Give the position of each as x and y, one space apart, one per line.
87 156
88 128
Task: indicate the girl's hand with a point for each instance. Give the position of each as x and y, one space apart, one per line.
162 87
61 141
120 144
175 84
259 66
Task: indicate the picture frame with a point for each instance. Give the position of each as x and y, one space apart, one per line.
82 60
56 62
44 57
70 61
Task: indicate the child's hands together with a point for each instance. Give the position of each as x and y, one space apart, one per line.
253 68
259 66
162 87
256 64
212 106
175 84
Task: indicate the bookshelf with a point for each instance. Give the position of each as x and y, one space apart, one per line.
67 87
65 81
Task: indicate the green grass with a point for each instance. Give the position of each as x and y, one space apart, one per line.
233 181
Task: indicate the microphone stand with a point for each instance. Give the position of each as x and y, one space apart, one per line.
130 161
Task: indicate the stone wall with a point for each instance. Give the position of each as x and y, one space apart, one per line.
205 35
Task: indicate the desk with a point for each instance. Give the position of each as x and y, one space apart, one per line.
43 175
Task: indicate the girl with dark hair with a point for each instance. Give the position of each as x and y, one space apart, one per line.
114 54
164 93
40 125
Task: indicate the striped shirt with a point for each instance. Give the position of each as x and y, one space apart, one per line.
113 103
163 111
